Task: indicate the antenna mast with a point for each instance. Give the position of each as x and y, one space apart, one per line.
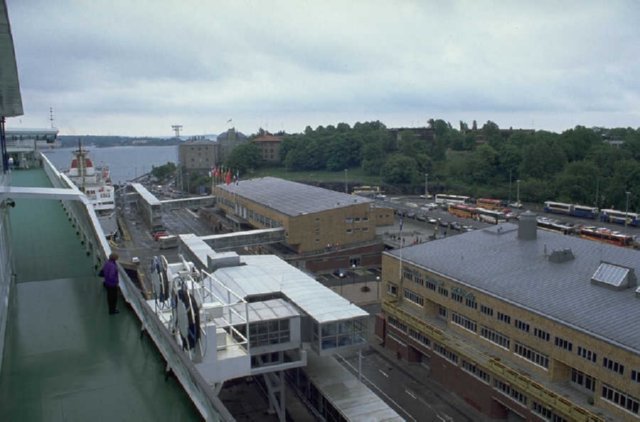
51 117
177 129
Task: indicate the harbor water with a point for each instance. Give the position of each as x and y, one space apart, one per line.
125 162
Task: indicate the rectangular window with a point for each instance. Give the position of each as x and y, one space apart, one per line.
521 325
587 354
612 365
620 399
445 353
504 318
418 279
413 297
396 323
486 310
507 390
392 289
429 284
541 334
531 355
564 344
442 312
464 322
444 292
546 413
419 337
635 376
474 370
456 296
471 302
495 337
583 380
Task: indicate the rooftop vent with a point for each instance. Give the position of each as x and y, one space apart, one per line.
561 255
528 226
613 276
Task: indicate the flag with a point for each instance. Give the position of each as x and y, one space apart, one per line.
227 178
214 169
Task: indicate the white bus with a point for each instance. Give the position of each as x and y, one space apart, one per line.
491 216
442 198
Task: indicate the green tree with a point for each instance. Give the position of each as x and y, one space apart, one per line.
244 157
400 169
164 172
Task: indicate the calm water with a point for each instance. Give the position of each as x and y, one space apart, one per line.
126 162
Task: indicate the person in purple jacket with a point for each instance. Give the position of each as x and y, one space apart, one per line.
111 280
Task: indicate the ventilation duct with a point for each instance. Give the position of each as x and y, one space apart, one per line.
528 226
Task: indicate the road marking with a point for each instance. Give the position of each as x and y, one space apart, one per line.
411 394
373 385
383 373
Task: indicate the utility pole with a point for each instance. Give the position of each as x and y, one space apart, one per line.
346 190
626 213
518 192
426 186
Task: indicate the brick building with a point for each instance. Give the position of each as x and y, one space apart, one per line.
269 146
323 229
522 324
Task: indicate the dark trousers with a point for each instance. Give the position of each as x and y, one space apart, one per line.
112 298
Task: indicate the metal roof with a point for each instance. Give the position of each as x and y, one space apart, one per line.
291 198
267 310
268 274
351 397
496 262
10 98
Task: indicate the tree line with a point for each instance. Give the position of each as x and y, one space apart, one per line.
580 165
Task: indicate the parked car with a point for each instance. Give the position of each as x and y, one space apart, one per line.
421 217
432 220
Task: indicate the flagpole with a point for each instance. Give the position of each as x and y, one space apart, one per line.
401 247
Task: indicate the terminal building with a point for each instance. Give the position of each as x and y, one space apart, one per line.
522 324
323 229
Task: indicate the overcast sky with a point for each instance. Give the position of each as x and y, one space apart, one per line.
136 67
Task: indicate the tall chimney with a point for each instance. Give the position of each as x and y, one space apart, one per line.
528 226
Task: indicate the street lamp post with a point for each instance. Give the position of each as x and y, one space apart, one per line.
341 277
518 192
346 190
426 186
626 213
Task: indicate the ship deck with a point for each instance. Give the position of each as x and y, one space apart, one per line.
65 358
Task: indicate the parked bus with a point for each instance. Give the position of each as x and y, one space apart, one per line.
585 211
606 236
557 207
619 217
462 210
442 198
367 191
491 216
490 204
582 211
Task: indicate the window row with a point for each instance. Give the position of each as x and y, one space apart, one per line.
509 391
495 337
620 399
612 365
531 355
414 297
464 322
474 370
445 353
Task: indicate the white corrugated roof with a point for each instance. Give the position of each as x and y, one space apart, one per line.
267 274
